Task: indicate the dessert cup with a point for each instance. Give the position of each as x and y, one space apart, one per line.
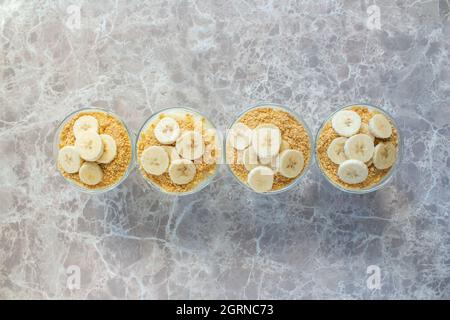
377 178
206 168
292 128
118 169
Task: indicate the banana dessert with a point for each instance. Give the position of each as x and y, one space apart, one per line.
268 148
94 150
178 151
358 147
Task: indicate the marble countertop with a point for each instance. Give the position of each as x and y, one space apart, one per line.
138 57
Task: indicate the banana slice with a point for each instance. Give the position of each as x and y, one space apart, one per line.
260 179
284 145
384 155
182 171
109 149
89 145
167 130
190 145
359 147
250 159
335 151
155 160
85 124
380 126
266 141
269 161
240 136
90 173
69 159
346 123
172 153
291 163
353 171
365 130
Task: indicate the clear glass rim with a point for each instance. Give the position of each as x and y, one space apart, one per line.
393 169
56 149
153 185
299 119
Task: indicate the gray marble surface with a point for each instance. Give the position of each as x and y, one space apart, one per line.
137 57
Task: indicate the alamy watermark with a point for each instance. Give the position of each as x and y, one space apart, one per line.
373 282
73 281
373 17
73 21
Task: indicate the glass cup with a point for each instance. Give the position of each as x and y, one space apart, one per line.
299 119
56 141
174 111
392 170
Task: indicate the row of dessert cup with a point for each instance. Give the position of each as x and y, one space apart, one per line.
312 147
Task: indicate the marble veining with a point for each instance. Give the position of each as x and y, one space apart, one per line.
137 57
